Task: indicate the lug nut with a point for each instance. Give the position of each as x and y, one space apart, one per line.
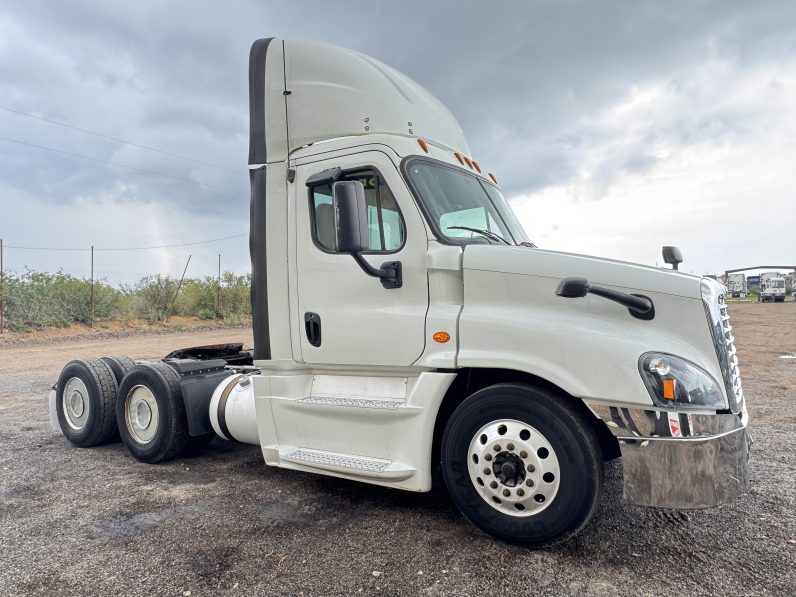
487 471
488 457
493 484
506 493
523 454
520 492
529 482
510 447
497 448
531 468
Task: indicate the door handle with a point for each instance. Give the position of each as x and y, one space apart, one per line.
312 325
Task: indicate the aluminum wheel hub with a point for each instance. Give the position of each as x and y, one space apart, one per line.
513 467
141 414
76 403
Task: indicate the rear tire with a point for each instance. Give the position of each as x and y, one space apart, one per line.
86 402
522 464
120 365
150 413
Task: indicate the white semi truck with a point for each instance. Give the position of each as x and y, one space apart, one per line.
736 285
403 322
772 287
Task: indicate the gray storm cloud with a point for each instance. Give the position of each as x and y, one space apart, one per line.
545 92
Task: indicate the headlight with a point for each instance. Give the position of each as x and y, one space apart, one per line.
674 382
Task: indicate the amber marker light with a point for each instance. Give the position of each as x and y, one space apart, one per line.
423 144
469 162
459 157
668 388
441 337
492 176
476 166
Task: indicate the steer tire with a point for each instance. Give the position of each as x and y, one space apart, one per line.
86 402
160 431
533 443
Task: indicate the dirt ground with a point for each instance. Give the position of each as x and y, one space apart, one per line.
76 521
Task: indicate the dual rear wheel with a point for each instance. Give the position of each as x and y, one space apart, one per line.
99 399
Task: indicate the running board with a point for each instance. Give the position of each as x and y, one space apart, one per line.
357 466
354 402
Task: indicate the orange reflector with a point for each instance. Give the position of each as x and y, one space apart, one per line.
423 145
469 162
492 176
668 388
459 157
441 337
476 166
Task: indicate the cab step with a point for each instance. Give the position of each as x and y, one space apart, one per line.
353 401
359 466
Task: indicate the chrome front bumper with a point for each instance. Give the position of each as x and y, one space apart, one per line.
680 460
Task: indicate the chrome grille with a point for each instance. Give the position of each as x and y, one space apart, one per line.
713 295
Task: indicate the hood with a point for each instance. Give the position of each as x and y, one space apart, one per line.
621 275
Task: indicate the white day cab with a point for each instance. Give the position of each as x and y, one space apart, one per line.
772 288
403 323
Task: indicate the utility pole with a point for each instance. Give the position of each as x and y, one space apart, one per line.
174 300
218 289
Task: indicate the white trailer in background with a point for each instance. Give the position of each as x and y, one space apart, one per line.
736 285
403 322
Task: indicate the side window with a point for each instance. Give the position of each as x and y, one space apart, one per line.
385 224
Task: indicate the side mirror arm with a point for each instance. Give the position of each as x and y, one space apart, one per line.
389 273
639 306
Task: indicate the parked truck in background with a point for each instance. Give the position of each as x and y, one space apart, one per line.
772 287
736 285
403 321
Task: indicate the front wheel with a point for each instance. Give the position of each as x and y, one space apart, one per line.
522 465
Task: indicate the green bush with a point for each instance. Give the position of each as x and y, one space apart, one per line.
36 300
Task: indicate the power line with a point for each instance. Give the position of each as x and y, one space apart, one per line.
85 157
199 242
118 139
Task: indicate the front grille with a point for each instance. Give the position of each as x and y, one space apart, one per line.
713 295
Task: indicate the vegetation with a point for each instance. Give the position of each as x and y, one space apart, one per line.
36 300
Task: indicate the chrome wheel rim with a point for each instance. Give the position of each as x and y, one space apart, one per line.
76 405
513 467
141 414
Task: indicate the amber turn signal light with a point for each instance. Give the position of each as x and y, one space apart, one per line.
668 389
441 337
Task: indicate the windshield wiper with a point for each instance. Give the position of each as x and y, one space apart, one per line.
486 233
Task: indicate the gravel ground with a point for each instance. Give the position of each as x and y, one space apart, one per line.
76 521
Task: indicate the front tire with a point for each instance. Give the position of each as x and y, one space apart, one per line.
522 465
150 413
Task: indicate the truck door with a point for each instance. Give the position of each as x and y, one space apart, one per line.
344 316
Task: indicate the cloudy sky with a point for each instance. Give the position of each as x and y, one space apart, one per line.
614 127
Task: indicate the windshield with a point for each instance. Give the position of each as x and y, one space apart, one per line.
779 284
455 200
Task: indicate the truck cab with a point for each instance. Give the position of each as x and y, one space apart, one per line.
772 288
404 323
